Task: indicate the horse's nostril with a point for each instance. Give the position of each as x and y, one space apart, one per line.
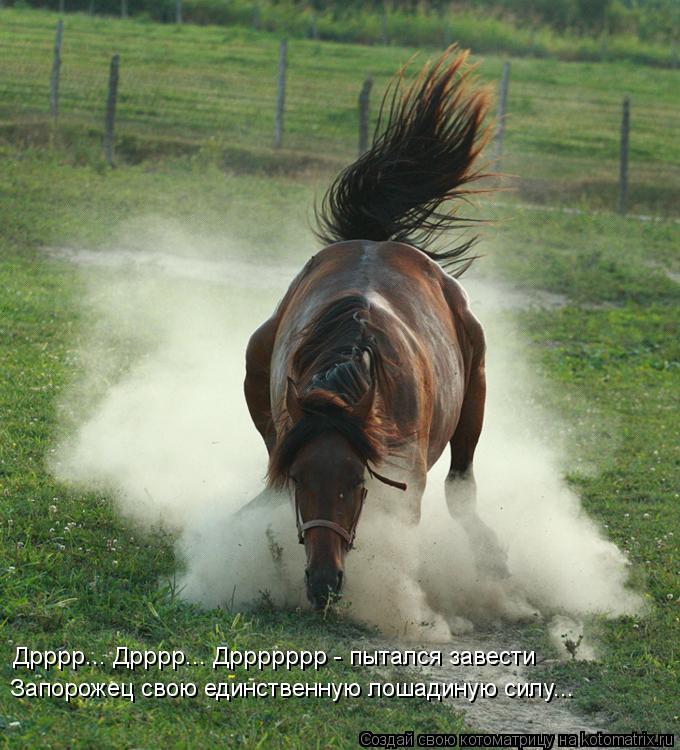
307 575
340 577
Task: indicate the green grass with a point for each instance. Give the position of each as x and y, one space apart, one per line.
72 574
625 361
612 353
609 357
579 256
211 91
612 359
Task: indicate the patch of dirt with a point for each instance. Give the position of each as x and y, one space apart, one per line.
501 713
226 271
275 274
498 714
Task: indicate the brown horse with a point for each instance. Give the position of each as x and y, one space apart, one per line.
373 359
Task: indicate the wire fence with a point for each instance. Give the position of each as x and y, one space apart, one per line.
209 88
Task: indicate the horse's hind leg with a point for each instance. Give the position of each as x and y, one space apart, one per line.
460 482
460 487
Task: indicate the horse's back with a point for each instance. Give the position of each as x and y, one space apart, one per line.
418 311
391 275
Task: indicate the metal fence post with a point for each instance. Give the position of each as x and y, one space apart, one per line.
364 97
281 93
56 68
623 164
111 110
502 104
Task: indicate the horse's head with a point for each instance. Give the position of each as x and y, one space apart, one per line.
327 475
322 456
327 480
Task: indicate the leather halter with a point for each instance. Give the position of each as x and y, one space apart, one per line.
347 534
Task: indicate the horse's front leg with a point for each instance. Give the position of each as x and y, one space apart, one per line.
414 497
413 472
409 468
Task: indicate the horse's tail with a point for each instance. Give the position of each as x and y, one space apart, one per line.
425 143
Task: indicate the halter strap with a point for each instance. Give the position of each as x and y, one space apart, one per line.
347 535
389 482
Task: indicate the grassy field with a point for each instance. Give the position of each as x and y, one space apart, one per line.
614 348
71 573
639 34
609 356
211 91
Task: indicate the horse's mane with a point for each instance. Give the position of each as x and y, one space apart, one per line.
333 346
335 363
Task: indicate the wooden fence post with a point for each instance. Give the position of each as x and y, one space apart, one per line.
623 164
123 9
364 97
502 104
315 28
281 93
178 12
61 6
56 67
111 110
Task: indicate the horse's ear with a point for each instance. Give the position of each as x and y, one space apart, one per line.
363 406
293 402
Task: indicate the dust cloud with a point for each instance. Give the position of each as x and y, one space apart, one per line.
157 419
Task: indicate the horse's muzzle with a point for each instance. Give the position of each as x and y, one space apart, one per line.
323 586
